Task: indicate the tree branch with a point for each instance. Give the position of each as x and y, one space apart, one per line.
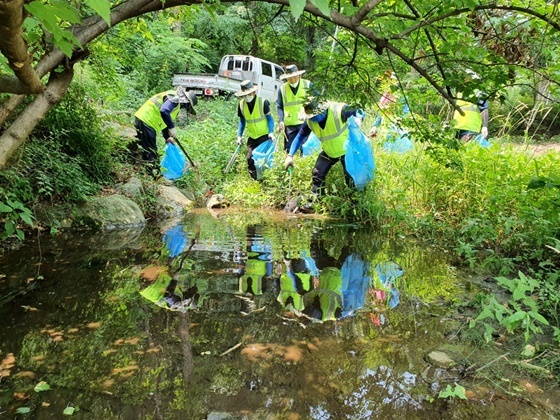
15 49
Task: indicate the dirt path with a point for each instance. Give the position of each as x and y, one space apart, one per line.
538 149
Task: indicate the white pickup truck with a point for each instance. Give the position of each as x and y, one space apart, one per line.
233 70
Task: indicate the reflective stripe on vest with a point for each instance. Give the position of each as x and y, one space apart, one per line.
471 121
335 134
149 112
293 102
256 123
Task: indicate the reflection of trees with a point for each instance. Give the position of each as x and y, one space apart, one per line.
188 362
345 368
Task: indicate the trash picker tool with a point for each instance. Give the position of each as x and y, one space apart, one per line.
233 157
185 152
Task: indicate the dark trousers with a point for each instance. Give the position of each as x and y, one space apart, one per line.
323 165
146 136
251 145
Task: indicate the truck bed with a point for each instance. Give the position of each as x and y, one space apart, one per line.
201 81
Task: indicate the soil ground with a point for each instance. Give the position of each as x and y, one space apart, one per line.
538 149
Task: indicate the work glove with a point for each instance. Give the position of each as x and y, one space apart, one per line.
281 126
172 132
359 116
289 162
239 140
484 132
271 136
170 140
373 132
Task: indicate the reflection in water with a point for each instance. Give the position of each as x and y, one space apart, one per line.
256 264
213 352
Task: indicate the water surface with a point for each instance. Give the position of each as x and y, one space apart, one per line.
233 315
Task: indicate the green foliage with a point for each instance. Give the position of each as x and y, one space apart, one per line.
12 214
520 313
75 128
449 392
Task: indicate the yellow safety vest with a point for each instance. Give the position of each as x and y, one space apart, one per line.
471 121
293 103
256 123
149 113
335 134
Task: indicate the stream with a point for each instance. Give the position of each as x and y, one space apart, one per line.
246 315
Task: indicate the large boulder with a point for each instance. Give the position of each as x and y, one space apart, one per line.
171 202
131 189
109 212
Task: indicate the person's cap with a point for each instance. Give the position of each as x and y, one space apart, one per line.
187 97
291 71
314 107
247 87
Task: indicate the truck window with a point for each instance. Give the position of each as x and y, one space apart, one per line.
279 71
266 69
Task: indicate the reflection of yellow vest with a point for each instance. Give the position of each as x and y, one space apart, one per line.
256 123
471 121
293 103
256 284
149 112
335 134
288 290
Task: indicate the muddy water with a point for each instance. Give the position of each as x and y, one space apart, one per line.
236 315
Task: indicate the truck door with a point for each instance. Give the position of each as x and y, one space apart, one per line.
268 83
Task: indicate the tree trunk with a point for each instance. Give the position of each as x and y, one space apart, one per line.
8 107
26 122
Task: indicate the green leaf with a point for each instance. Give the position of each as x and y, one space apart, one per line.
102 8
297 6
323 6
5 208
488 331
538 317
65 11
486 313
42 386
23 410
26 218
9 227
68 411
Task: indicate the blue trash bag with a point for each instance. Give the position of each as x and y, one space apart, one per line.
311 146
481 141
360 163
174 163
175 239
263 155
398 140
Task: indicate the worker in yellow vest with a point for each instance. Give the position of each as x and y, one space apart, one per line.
158 114
254 115
329 122
475 118
291 98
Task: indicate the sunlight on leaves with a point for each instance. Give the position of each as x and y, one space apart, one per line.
42 386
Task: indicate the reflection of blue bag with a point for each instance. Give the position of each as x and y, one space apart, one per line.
174 162
359 156
263 155
175 239
481 141
388 272
355 280
311 146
